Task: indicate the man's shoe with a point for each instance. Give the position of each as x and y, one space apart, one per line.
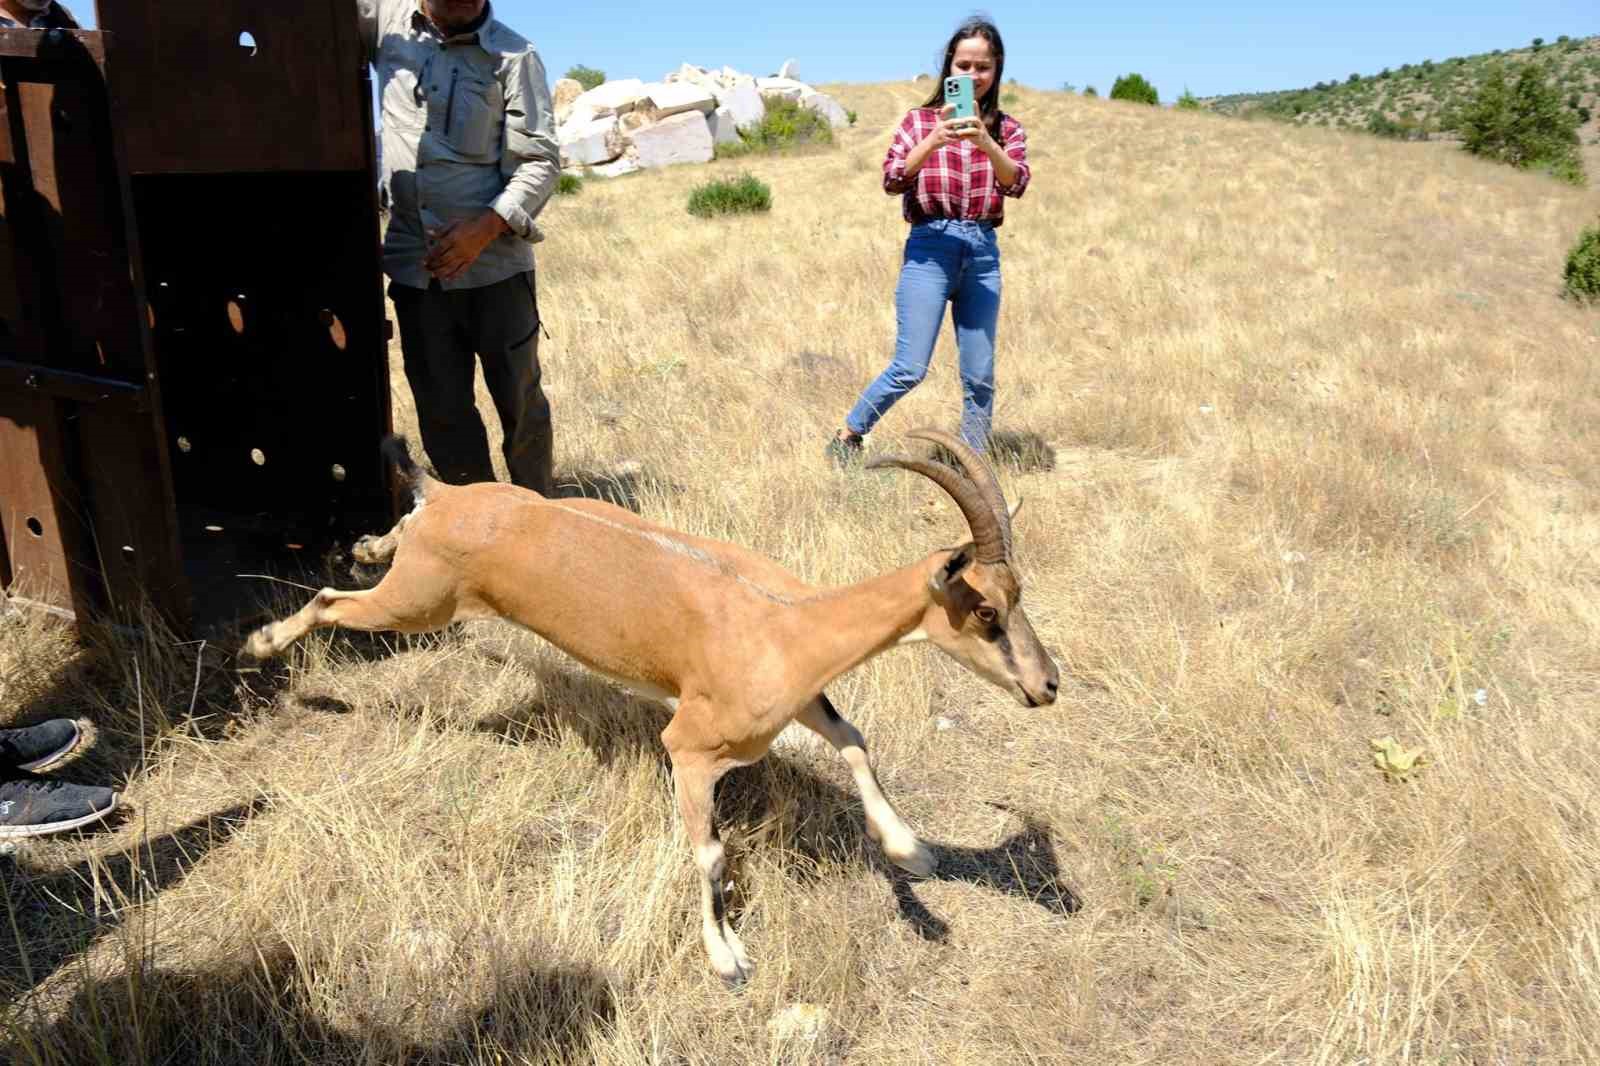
845 450
38 746
36 806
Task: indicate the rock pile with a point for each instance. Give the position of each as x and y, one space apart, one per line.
627 124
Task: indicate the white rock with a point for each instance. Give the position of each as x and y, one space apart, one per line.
827 107
724 130
663 99
804 1023
787 88
682 138
613 98
587 143
624 164
790 69
562 94
745 101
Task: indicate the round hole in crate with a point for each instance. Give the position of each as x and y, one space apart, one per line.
247 41
35 526
335 328
338 472
184 445
258 457
236 316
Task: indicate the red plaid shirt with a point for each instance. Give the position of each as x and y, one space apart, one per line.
956 181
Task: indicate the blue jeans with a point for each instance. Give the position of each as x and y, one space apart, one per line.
954 262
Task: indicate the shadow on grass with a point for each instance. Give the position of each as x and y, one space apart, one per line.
261 1012
783 802
52 916
621 487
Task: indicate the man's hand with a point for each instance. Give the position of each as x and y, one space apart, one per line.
456 247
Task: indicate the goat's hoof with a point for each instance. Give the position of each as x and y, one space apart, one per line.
729 960
919 860
259 647
737 975
362 551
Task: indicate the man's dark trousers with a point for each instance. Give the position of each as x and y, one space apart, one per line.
440 333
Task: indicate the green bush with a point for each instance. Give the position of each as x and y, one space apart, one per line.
1134 88
569 185
1523 124
1381 125
725 196
1189 101
588 77
786 125
1090 90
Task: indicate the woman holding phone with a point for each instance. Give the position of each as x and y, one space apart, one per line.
953 174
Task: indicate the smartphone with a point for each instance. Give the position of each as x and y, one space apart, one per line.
958 94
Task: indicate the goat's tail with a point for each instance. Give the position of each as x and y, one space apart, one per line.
412 477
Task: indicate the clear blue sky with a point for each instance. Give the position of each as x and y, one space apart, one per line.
1223 47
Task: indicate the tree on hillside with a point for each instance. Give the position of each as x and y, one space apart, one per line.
1134 88
1090 90
1189 101
1523 124
588 77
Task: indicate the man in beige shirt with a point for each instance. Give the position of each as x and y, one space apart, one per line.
469 160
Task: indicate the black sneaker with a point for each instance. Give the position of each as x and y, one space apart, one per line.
38 746
845 450
36 806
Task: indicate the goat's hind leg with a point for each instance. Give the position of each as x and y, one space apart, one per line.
884 823
379 551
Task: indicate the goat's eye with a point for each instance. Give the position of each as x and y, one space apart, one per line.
987 615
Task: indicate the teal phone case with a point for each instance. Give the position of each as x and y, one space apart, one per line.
958 93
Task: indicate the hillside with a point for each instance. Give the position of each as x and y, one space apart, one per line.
1311 464
1425 98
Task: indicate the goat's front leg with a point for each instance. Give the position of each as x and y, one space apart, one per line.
883 823
694 780
383 608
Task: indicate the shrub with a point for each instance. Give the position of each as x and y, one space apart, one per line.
1134 88
1523 124
785 125
1090 90
1583 268
587 77
1189 101
1008 99
569 185
1068 87
852 116
725 196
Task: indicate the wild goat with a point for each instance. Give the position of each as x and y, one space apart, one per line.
734 645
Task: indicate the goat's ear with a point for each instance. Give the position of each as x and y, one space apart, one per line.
949 572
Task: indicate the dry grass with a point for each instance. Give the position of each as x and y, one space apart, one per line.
1324 440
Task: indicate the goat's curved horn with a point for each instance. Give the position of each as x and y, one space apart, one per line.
978 470
988 541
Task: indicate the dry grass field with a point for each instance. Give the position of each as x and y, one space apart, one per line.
1307 442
